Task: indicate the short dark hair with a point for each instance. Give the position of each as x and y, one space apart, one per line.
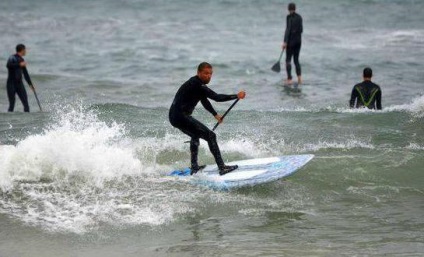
20 47
292 7
367 72
204 65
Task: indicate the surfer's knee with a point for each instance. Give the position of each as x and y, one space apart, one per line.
195 141
212 136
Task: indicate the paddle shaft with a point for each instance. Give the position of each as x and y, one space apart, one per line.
225 114
38 101
281 55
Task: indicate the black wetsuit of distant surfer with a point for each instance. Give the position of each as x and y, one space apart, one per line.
293 40
186 99
366 94
15 84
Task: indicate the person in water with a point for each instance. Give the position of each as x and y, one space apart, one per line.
16 67
366 94
188 96
293 42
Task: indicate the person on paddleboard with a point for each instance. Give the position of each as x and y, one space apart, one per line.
188 96
16 67
293 42
366 94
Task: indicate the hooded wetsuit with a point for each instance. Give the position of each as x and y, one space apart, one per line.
188 96
15 84
366 94
293 39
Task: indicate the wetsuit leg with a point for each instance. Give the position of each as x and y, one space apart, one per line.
289 55
11 94
194 150
296 52
196 130
20 90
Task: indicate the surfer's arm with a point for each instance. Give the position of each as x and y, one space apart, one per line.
26 75
301 24
353 98
12 63
378 100
208 106
209 93
287 33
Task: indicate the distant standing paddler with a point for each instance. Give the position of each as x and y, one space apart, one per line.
293 42
366 94
16 67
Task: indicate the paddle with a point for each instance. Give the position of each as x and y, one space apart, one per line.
223 116
36 98
276 67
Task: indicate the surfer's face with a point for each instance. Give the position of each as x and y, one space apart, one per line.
205 75
23 52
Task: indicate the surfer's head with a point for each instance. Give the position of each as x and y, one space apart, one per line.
204 72
367 73
21 49
291 7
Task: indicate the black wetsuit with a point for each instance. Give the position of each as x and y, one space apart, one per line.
293 39
186 99
366 94
15 84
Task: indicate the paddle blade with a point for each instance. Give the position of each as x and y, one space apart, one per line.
276 67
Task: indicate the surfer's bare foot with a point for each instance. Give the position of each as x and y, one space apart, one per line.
195 169
226 169
288 82
299 80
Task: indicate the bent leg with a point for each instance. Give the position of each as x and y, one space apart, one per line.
194 150
196 130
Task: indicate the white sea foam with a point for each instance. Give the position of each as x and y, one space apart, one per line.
416 107
77 143
81 172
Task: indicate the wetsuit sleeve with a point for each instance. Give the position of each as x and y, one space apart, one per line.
287 33
353 98
208 106
209 93
12 63
301 24
26 75
378 99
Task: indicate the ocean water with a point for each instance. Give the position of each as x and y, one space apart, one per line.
87 177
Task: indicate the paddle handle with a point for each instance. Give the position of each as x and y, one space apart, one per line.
225 114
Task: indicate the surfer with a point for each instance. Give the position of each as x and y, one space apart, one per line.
188 96
366 94
16 67
293 42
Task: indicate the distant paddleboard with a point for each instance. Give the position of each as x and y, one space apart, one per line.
250 172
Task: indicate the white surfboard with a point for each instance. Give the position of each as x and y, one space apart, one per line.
250 172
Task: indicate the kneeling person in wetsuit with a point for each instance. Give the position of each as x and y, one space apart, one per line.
188 96
366 94
16 67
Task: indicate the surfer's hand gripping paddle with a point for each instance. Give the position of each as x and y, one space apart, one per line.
223 116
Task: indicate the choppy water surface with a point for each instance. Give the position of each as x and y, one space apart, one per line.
87 177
